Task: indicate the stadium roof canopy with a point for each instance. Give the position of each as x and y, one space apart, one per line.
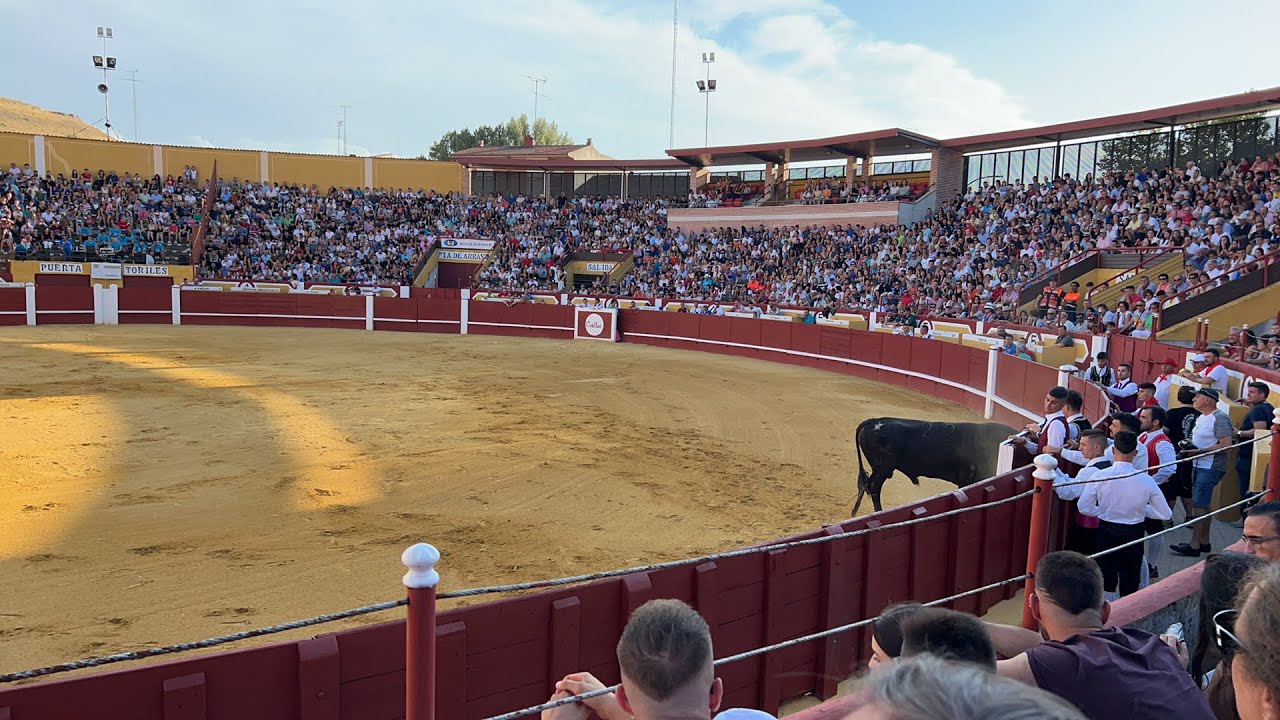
568 164
1193 112
893 141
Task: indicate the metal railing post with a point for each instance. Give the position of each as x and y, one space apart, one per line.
420 632
1038 540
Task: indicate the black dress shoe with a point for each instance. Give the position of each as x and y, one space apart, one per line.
1185 550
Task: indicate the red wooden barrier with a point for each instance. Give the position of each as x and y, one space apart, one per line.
13 306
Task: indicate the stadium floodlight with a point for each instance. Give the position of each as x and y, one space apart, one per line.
706 87
111 63
105 63
104 32
97 61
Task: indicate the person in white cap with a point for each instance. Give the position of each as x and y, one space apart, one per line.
1207 370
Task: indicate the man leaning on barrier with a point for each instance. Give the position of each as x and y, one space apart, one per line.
666 663
1105 671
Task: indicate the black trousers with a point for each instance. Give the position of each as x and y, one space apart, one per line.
1082 539
1121 569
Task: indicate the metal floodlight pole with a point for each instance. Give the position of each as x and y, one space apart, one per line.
706 88
106 63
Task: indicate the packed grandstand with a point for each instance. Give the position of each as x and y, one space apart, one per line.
970 258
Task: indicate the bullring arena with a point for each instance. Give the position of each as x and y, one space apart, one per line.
171 483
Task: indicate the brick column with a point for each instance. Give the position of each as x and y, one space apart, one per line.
946 173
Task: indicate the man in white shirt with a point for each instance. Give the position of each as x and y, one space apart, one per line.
1100 373
1164 381
1121 422
1207 370
1212 431
1050 434
1124 390
1081 536
1160 452
1122 498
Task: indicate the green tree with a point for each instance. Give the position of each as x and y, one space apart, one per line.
1209 144
511 132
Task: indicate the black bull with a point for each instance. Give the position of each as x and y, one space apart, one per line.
960 453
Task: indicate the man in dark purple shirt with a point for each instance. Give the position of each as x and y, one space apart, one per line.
1106 672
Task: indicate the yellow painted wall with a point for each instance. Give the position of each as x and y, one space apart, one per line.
18 149
1248 310
417 174
64 155
320 170
232 164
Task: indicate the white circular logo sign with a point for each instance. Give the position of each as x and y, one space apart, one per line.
594 324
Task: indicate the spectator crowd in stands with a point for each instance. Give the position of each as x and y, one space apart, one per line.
970 258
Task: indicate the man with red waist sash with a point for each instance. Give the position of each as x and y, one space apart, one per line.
1160 451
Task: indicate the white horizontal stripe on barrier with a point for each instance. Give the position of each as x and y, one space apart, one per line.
359 318
145 312
850 361
67 312
411 320
13 312
529 327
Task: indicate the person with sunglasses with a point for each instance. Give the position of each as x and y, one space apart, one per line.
1262 531
1224 575
1251 635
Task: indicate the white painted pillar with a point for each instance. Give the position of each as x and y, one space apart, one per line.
873 320
31 302
110 305
368 312
465 311
157 160
368 172
564 298
97 303
404 291
1065 372
989 407
41 166
175 293
264 166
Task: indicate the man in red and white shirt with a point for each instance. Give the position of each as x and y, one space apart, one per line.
1052 433
1160 451
1164 381
1207 371
1147 395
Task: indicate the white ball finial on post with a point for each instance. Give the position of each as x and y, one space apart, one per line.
421 561
1046 467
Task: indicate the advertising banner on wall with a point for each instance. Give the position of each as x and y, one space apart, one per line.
105 271
466 244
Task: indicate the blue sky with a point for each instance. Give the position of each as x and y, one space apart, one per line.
270 74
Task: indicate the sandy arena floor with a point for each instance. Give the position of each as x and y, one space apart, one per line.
168 484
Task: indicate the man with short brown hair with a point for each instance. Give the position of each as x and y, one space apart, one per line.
665 659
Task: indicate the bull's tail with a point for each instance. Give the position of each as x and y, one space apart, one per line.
862 473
